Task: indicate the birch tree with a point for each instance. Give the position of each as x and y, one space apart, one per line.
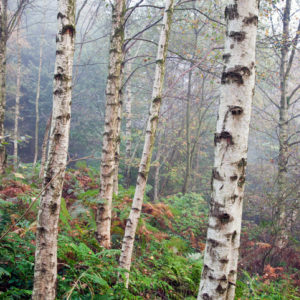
287 54
111 127
18 94
8 23
132 221
37 98
45 269
219 272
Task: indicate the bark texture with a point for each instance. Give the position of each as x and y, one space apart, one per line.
219 272
17 104
128 116
110 135
283 133
37 99
132 221
3 41
45 270
44 148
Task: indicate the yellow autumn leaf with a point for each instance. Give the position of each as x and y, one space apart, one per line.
18 175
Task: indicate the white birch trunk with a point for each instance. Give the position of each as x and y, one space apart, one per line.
37 99
3 41
110 135
132 221
44 148
128 128
117 151
17 105
231 142
45 270
283 157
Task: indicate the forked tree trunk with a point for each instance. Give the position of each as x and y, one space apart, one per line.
17 105
132 221
110 135
37 99
44 148
219 272
45 270
3 41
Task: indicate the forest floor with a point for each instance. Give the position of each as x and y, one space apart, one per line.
168 253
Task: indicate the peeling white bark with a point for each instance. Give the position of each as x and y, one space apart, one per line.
132 221
231 142
110 135
45 269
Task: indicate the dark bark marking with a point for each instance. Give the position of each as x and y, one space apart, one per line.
206 297
241 181
225 135
237 36
213 243
235 75
252 19
226 57
69 29
53 208
224 260
233 178
236 110
233 236
216 175
231 12
242 163
60 15
221 290
59 52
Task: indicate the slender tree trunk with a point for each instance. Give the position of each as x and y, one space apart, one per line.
283 134
117 152
17 106
37 99
132 221
128 129
219 272
157 169
188 136
44 148
110 135
3 41
45 270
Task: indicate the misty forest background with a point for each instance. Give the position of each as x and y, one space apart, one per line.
171 233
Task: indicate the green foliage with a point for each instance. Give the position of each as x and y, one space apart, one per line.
253 288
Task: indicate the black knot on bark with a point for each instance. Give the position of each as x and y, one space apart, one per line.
235 75
225 135
236 110
224 218
221 290
226 57
68 29
252 19
237 36
206 297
